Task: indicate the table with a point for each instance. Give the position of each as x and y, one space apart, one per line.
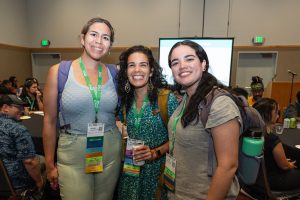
35 127
290 136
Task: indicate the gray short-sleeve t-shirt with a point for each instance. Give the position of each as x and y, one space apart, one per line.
191 151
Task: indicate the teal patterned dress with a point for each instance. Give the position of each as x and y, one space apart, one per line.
154 133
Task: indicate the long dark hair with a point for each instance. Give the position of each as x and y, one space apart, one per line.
157 79
206 84
265 106
27 85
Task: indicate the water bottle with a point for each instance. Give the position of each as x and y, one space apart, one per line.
286 123
253 144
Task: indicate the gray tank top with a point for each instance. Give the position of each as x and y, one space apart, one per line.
78 108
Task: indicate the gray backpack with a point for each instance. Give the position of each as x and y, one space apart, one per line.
248 167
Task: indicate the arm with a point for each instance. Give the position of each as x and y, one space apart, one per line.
49 128
280 158
145 153
32 166
226 145
159 151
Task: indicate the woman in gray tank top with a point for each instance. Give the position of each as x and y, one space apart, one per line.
89 147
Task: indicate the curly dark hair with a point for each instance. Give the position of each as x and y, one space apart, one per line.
206 84
157 79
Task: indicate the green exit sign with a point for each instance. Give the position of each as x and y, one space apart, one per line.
45 43
258 39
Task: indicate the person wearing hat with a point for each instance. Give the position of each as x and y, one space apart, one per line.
257 90
16 147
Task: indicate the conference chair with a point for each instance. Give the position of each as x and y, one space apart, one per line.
261 190
6 190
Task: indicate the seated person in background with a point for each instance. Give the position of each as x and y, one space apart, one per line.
257 90
3 90
293 109
7 84
32 95
16 147
240 92
14 84
14 81
282 161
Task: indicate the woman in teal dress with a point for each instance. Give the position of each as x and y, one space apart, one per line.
140 84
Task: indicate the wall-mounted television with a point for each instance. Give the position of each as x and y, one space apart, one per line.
219 52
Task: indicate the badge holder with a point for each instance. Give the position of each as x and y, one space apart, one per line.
169 173
94 148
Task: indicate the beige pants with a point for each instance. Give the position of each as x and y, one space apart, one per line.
74 182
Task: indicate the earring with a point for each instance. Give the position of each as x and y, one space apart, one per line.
150 85
109 53
127 87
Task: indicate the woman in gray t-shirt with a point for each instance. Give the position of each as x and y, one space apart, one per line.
188 138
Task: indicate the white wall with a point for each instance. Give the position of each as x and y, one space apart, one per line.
135 21
13 22
26 22
277 20
216 18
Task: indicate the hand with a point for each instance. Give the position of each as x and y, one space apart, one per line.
40 184
142 153
38 94
292 164
52 176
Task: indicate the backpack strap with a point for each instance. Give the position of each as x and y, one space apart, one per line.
63 72
163 105
204 109
114 72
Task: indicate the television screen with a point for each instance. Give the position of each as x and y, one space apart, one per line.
219 52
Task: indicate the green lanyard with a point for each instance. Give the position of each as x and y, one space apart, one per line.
138 116
96 97
176 120
31 103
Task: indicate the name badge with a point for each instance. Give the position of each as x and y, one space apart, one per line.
95 129
169 173
94 148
